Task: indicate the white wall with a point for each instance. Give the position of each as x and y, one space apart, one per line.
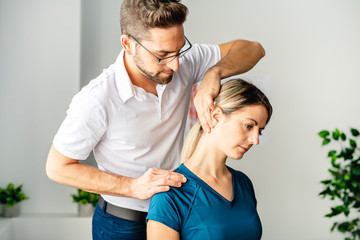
100 40
311 63
100 36
39 74
313 66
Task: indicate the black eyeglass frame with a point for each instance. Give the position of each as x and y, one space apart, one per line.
171 58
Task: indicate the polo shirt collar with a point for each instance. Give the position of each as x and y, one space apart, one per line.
125 87
123 82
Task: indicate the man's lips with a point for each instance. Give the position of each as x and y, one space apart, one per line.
168 73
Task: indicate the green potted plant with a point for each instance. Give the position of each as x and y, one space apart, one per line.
10 198
344 184
86 202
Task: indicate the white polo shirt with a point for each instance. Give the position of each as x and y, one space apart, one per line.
128 129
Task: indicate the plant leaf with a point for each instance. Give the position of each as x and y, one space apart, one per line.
353 143
331 153
333 161
324 134
347 177
326 182
347 153
344 227
343 136
325 192
84 197
346 211
354 132
336 134
333 226
344 184
326 141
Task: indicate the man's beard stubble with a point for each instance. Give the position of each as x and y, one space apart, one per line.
152 76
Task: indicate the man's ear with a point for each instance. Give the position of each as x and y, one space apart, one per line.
126 44
216 115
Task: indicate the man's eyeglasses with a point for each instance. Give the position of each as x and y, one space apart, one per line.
162 61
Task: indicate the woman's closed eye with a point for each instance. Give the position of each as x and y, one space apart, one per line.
248 126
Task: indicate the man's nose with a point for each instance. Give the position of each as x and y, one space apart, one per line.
174 64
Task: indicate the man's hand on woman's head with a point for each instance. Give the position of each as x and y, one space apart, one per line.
203 100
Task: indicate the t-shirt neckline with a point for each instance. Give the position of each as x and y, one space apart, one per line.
198 180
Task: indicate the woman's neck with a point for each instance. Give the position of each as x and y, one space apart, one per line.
208 164
207 161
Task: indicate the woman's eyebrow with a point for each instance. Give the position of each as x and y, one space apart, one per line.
256 123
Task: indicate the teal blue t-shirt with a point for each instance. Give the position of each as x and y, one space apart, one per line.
197 211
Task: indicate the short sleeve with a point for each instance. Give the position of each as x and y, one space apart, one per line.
164 210
201 58
82 129
246 183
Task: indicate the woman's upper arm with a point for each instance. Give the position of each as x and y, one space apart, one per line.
158 231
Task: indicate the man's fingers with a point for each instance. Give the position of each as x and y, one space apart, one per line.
204 124
210 102
204 117
156 180
173 177
169 178
158 189
163 184
167 182
204 107
210 106
205 120
160 174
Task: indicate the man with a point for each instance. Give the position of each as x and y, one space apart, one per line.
133 115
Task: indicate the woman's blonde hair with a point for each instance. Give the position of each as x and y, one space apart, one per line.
234 94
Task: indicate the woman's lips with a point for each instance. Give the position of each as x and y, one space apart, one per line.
244 148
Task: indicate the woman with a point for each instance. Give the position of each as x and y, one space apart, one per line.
217 202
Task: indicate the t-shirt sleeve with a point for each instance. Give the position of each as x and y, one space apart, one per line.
201 58
250 188
164 210
246 184
82 129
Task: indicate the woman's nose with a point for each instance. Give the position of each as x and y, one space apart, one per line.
254 138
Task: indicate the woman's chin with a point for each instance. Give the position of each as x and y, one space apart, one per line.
238 156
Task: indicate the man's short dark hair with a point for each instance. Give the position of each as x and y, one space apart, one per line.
138 16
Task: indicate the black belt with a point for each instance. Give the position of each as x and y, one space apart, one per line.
124 213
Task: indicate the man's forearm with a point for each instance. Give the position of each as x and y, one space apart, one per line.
238 57
73 173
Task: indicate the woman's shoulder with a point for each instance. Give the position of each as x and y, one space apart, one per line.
172 207
180 195
240 176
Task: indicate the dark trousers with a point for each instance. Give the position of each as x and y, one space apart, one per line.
106 226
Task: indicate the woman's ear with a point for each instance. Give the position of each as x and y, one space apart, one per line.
216 115
126 44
